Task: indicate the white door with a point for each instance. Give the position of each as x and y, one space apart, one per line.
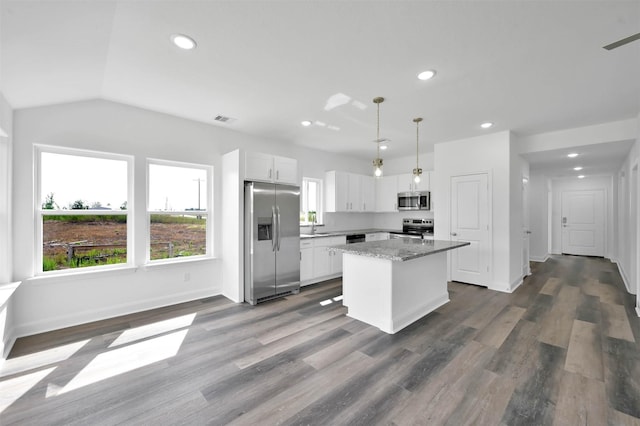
470 222
583 222
526 232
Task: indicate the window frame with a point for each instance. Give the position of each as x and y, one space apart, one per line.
304 190
40 213
208 212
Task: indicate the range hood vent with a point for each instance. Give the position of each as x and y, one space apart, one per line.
224 119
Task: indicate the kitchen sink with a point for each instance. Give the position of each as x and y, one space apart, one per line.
317 234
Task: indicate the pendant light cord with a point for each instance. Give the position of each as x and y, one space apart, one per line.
378 133
417 139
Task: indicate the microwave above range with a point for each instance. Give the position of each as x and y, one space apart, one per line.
418 200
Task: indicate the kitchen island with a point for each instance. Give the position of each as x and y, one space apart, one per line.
392 283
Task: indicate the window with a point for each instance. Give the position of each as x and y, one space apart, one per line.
178 210
82 200
311 201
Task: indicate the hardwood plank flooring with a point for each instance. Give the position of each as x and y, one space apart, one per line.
564 348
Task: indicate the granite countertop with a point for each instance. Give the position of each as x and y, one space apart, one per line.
400 249
320 234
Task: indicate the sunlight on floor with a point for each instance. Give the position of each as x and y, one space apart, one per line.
40 359
12 389
125 359
330 301
154 329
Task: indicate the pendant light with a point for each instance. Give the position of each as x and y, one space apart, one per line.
417 171
377 163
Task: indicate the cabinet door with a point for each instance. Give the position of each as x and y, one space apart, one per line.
259 167
368 193
336 191
425 182
321 262
354 197
387 194
306 264
336 262
405 182
286 170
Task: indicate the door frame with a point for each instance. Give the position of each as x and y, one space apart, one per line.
489 175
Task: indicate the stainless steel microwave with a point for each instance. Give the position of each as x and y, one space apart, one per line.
419 200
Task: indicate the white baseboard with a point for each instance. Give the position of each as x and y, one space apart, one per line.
625 280
539 259
638 311
78 318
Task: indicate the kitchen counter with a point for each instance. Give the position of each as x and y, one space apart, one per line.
349 232
391 284
399 250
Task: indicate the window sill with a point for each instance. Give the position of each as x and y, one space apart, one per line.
76 275
176 262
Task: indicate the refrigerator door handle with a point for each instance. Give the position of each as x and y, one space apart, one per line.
278 231
275 230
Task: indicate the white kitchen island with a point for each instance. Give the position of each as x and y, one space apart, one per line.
393 283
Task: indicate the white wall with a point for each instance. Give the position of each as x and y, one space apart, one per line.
614 131
490 154
51 303
6 145
7 305
628 229
558 186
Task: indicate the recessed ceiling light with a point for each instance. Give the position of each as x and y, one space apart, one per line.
426 75
572 155
581 177
486 125
577 168
306 123
183 41
383 147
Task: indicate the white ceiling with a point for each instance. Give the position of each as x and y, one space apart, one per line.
529 66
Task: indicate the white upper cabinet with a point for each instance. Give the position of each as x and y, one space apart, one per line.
407 184
368 193
344 192
270 168
387 194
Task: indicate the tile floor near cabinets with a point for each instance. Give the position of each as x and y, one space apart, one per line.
564 348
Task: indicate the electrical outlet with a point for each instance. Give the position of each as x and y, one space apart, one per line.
187 276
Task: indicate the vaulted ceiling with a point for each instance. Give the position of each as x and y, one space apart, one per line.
529 67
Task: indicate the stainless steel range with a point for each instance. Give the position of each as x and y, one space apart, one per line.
415 228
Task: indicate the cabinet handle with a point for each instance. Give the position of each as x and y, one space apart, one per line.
277 174
269 173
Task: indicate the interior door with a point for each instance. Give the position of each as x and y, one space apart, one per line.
470 222
583 222
526 232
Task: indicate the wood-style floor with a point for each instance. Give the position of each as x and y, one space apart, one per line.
563 349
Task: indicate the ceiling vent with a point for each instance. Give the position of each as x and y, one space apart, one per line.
224 119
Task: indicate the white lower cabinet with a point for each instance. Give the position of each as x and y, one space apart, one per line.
316 262
306 262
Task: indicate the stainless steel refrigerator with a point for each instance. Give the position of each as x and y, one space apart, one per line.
272 241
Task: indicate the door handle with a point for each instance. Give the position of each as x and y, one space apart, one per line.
528 232
278 213
454 234
274 231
